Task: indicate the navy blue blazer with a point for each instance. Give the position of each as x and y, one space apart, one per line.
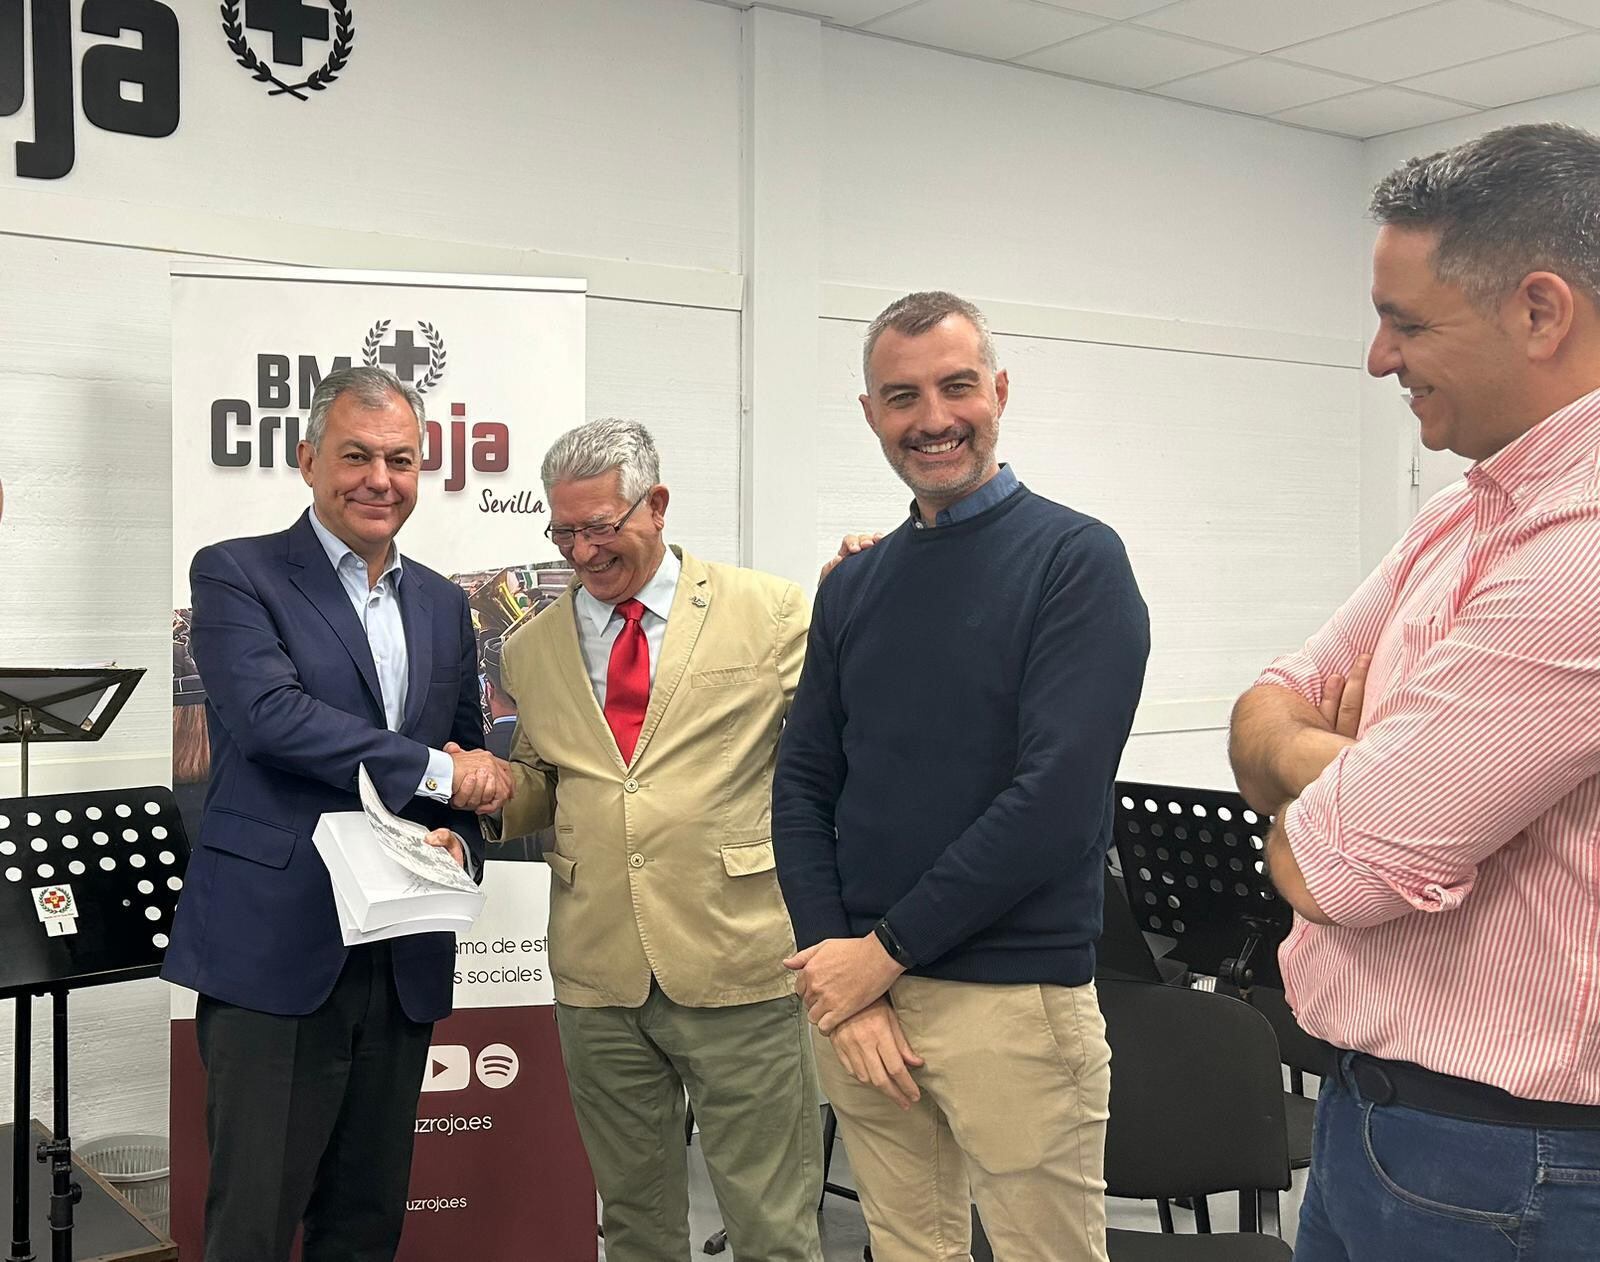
294 708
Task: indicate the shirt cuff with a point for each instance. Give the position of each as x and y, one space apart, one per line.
439 779
1352 890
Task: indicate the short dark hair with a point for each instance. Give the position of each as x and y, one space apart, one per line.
1516 200
915 314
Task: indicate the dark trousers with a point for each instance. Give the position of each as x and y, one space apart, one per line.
310 1119
1389 1182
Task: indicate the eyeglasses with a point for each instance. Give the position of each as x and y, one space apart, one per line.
601 532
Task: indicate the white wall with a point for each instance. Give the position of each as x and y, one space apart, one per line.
1174 289
1215 426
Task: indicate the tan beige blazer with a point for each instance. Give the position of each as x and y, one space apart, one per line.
663 865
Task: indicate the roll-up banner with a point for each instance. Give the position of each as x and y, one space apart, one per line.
499 1171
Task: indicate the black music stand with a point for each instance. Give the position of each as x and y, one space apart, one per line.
1195 864
45 704
88 885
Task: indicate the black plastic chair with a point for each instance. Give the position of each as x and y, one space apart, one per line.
1196 1109
1303 1054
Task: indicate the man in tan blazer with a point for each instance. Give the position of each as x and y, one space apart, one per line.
651 697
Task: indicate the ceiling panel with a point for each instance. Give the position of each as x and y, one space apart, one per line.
1520 76
1261 86
1352 67
992 28
1429 39
847 12
1373 112
1262 25
1586 12
1129 57
1110 8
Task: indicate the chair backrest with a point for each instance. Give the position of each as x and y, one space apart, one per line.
1196 1094
1122 951
1298 1050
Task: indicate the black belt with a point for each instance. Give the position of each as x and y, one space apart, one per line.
1412 1086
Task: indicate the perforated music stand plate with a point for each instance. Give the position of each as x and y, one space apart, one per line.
121 853
1194 862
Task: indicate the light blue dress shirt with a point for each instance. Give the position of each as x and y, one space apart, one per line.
377 609
599 624
984 498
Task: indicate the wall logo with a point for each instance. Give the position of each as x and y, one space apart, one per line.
447 1068
403 357
290 24
497 1066
129 87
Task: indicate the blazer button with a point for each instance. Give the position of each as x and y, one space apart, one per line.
630 785
636 861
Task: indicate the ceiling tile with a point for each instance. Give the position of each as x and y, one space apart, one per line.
1110 8
992 28
1546 70
847 12
1584 11
1373 112
1263 25
1425 40
1260 86
1128 57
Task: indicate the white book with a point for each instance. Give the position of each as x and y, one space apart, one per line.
386 879
352 935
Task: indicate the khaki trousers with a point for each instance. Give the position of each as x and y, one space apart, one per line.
749 1073
1012 1116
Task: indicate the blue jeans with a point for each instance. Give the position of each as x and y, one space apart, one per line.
1392 1184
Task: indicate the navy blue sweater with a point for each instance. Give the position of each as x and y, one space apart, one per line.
949 758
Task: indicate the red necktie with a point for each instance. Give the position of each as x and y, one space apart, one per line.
628 680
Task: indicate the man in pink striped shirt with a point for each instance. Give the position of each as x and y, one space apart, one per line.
1433 753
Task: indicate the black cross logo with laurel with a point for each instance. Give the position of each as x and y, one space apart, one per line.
403 356
290 23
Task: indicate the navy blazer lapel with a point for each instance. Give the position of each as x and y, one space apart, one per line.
416 614
310 571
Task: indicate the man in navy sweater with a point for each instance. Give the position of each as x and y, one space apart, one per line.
941 813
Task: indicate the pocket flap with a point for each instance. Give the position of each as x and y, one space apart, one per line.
562 866
247 837
723 676
746 858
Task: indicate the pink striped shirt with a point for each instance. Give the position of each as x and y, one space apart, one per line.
1456 844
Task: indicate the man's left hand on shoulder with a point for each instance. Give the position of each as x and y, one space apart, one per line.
838 977
451 842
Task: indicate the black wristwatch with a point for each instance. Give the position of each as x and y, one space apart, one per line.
891 944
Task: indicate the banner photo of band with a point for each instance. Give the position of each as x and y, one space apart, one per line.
499 362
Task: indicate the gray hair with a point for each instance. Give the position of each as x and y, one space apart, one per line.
1515 200
372 387
915 314
600 446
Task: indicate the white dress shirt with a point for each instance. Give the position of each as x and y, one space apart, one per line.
599 624
377 609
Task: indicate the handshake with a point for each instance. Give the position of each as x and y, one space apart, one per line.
481 782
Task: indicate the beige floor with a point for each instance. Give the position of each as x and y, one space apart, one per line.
844 1232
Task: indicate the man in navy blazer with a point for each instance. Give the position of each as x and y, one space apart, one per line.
321 649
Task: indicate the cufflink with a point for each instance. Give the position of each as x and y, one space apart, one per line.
431 784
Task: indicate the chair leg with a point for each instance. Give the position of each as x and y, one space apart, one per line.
688 1123
1267 1199
1249 1210
1202 1215
1164 1213
1297 1082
